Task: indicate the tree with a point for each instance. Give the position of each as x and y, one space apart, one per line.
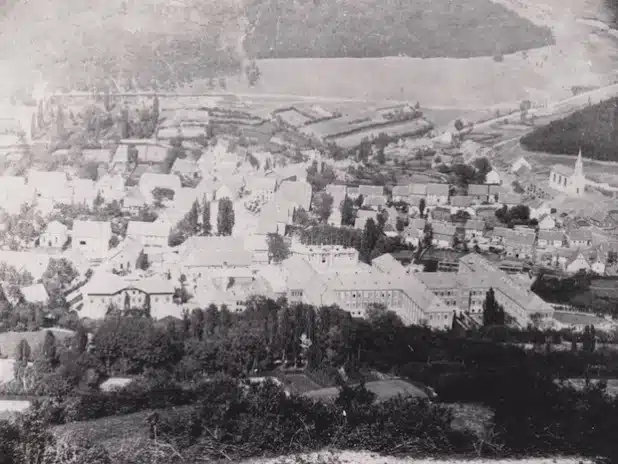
132 155
142 261
206 226
33 128
253 73
197 323
421 206
348 214
60 128
381 157
49 348
225 217
589 339
364 150
155 111
369 238
80 340
493 313
359 201
125 126
161 193
323 206
23 352
278 249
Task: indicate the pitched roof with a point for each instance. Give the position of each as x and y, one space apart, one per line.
401 190
510 199
437 189
418 189
97 154
370 190
461 201
474 224
442 228
562 170
185 166
154 179
56 227
580 234
296 192
35 293
153 229
478 189
387 264
551 235
261 183
45 178
94 229
374 200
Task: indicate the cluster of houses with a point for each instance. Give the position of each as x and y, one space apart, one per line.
138 269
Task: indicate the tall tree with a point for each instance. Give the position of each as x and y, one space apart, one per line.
49 348
80 340
493 313
197 323
125 125
23 351
60 122
155 110
225 217
206 225
369 238
323 206
278 249
33 128
421 206
211 320
348 214
40 116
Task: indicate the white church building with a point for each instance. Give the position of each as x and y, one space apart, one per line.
567 180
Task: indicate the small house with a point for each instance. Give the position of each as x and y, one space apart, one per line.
55 235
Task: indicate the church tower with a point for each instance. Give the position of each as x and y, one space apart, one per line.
579 165
578 179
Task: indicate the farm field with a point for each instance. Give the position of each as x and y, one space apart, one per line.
370 28
408 128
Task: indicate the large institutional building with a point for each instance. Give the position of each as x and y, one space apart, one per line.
567 180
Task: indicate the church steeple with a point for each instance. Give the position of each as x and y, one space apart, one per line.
579 165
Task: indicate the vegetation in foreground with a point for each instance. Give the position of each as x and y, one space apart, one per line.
191 375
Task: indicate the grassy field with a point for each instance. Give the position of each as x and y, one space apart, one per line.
111 431
370 28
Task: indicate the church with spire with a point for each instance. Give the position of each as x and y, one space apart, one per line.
567 180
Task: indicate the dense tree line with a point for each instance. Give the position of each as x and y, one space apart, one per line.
591 130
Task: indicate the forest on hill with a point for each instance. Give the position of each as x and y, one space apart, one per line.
368 28
592 129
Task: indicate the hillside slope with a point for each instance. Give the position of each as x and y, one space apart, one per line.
80 43
371 28
592 129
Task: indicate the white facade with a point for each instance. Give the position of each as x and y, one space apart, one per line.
325 257
91 238
571 182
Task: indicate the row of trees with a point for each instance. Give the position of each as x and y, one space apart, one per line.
191 224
